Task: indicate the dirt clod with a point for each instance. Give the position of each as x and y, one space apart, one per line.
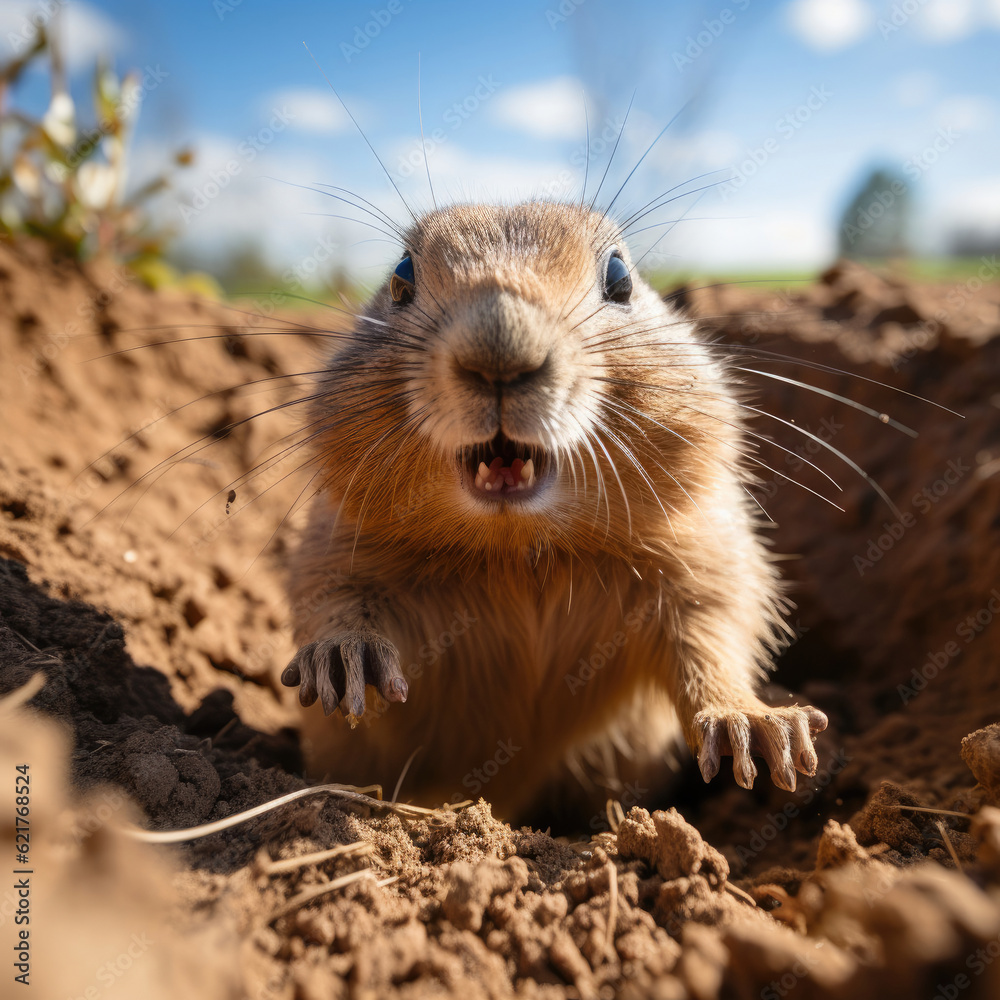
671 846
981 751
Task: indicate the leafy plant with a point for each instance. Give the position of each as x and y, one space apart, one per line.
66 183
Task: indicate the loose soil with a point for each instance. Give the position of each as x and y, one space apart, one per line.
152 606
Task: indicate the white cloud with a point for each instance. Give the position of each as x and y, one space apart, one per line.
913 90
965 113
84 33
252 209
549 109
710 149
313 109
461 175
975 208
827 25
248 207
676 148
947 20
774 238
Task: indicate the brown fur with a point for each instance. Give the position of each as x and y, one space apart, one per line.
642 544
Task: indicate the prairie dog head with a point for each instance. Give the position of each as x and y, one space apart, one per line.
516 383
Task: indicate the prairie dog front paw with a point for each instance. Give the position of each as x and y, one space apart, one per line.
782 736
336 670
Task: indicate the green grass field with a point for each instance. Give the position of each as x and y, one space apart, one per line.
931 269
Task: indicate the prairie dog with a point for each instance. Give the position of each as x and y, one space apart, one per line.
531 534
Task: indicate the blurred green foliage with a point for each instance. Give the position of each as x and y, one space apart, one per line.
66 182
245 273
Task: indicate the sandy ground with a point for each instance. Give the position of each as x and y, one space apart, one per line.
153 606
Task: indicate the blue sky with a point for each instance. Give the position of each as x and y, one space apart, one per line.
791 102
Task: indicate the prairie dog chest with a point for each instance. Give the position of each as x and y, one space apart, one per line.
538 634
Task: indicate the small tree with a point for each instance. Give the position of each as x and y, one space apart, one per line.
876 222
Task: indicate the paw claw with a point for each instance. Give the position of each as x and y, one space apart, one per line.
326 659
398 690
817 719
782 736
307 693
710 754
745 771
336 671
784 777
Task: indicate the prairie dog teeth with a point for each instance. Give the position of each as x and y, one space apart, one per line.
496 477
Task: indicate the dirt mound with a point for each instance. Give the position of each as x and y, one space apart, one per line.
161 639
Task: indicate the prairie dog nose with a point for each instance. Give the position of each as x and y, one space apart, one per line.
500 340
518 372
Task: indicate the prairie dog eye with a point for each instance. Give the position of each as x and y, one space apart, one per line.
617 280
401 284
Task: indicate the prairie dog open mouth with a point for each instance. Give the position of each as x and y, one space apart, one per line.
503 469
